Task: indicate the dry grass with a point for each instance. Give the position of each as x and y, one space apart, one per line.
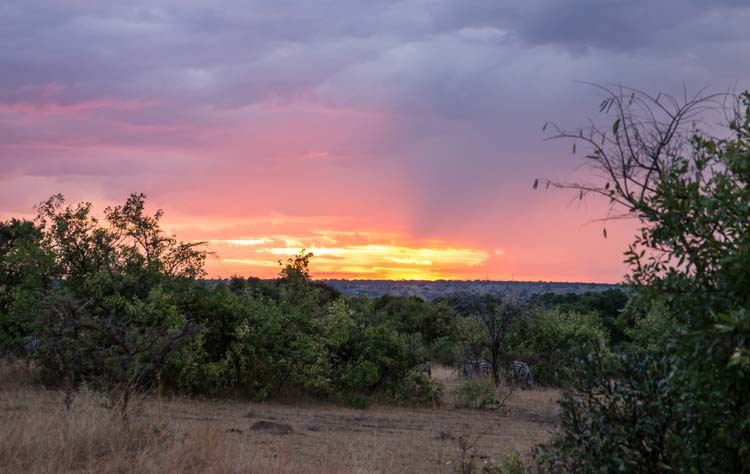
37 435
444 374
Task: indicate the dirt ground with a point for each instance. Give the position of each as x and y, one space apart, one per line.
315 437
387 439
391 439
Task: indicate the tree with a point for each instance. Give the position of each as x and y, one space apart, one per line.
553 341
111 353
690 191
495 316
25 274
608 304
114 319
294 278
296 270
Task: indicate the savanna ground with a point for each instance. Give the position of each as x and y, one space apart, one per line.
38 435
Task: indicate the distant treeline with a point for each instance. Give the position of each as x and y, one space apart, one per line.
436 289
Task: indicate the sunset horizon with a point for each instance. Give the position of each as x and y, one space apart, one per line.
401 143
350 254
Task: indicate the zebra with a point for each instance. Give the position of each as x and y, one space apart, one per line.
520 370
426 368
31 345
475 367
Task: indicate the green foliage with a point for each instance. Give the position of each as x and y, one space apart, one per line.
443 351
478 392
552 342
357 400
469 462
417 389
512 463
25 274
682 402
623 420
195 375
370 356
433 320
608 304
111 318
338 353
493 317
273 348
469 337
652 332
118 304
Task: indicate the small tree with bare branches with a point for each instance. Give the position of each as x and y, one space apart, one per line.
494 315
683 405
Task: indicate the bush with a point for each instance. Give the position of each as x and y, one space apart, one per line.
651 332
417 388
443 351
512 464
683 404
274 349
553 342
617 421
478 392
357 400
468 461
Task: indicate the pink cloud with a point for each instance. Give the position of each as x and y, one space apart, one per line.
49 108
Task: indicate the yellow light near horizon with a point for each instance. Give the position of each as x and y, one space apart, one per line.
243 242
250 261
408 261
464 257
370 261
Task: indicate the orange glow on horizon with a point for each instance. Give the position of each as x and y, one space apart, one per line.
342 259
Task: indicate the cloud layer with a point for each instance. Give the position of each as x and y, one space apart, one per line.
416 122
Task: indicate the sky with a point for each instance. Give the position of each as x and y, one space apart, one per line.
394 139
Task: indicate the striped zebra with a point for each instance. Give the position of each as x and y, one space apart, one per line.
31 345
426 368
520 371
475 367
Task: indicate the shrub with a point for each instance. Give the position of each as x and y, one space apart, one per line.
468 461
683 405
512 463
651 332
617 421
417 388
478 392
357 400
555 341
274 348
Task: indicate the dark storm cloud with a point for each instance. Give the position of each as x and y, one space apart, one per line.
235 53
611 24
